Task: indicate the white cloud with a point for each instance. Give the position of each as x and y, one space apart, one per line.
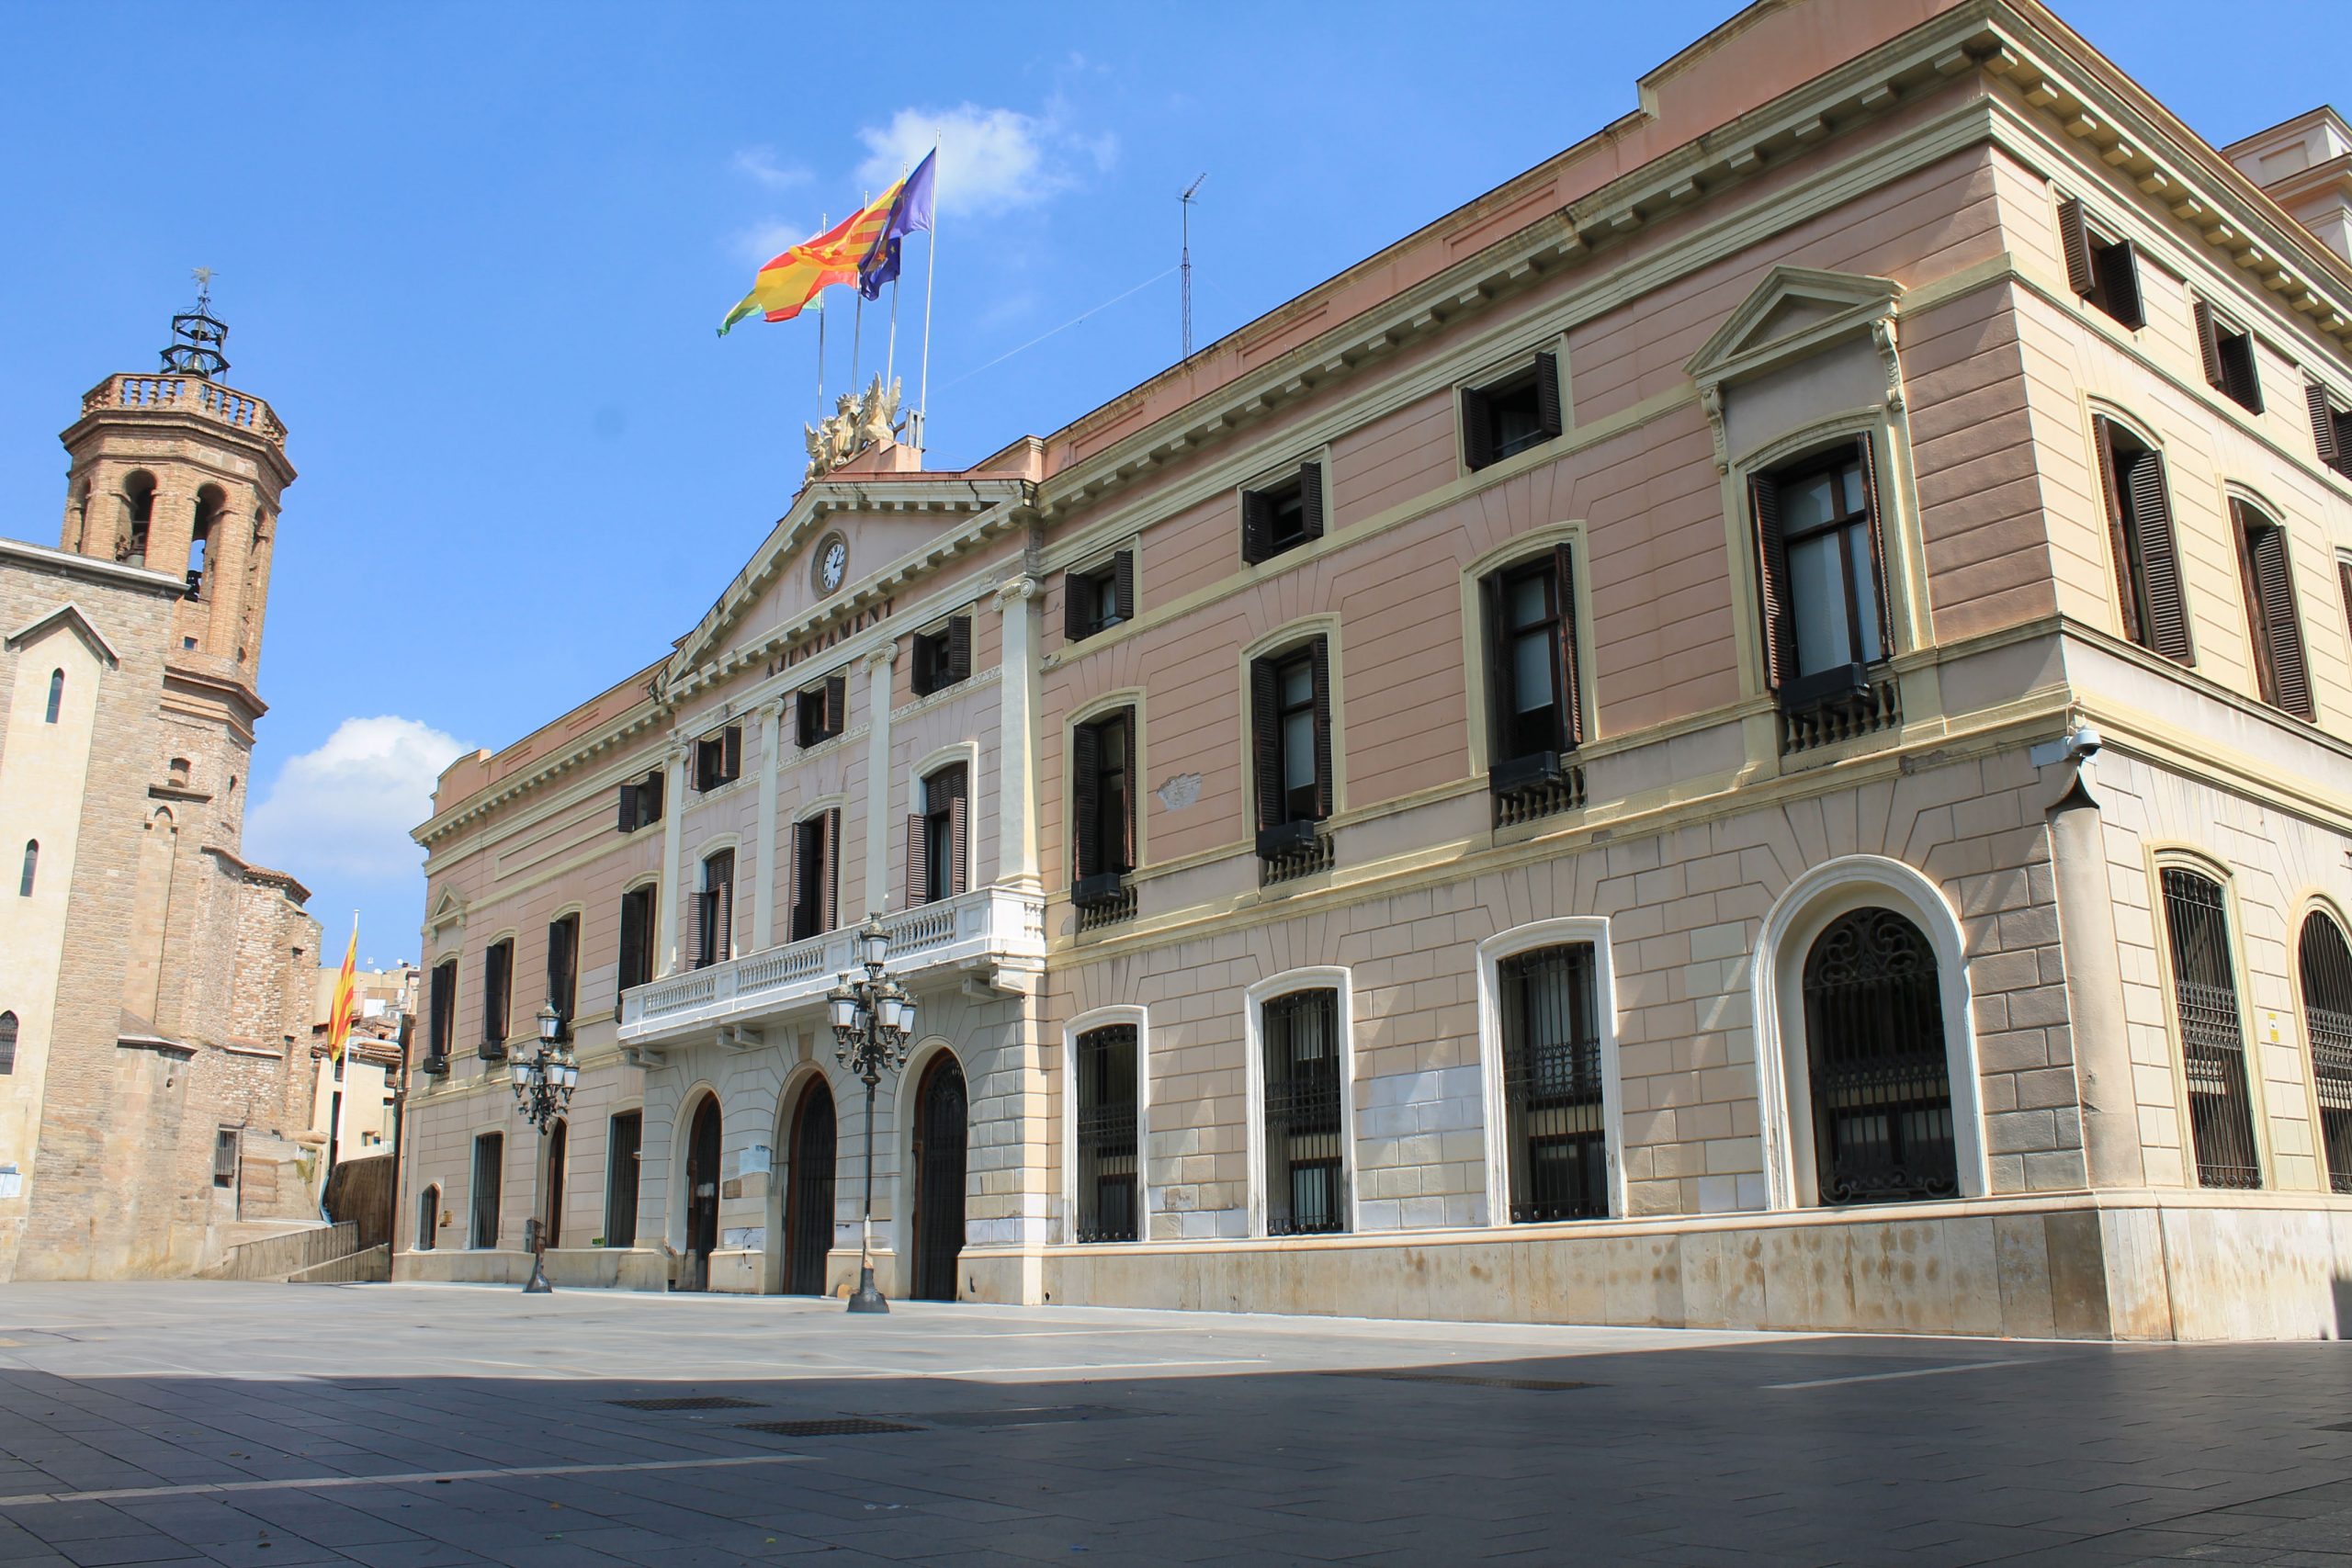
990 159
763 241
346 809
760 163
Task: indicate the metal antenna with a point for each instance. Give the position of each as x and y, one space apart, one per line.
1185 201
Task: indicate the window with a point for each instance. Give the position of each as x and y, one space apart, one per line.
1558 1149
56 696
943 657
1880 1079
1291 710
935 835
1283 515
816 874
2228 353
636 937
641 801
138 516
1108 1177
8 1044
718 759
177 772
490 1155
714 932
823 711
2282 675
428 1219
1303 1158
563 967
497 986
1507 416
2147 561
2213 1038
1103 801
623 1141
2331 429
224 1157
2326 965
1535 711
32 864
2102 270
1098 600
441 1022
1824 579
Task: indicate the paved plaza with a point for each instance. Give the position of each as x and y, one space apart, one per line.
409 1427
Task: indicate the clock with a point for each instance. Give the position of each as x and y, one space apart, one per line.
832 563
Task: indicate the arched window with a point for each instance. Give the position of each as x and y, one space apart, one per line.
1880 1076
178 772
935 868
32 863
2212 1034
428 1218
138 514
7 1043
2326 963
1557 1143
209 503
56 696
1299 1034
713 934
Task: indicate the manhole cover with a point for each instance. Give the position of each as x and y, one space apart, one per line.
1541 1385
845 1427
696 1401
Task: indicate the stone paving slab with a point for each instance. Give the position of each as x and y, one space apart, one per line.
433 1427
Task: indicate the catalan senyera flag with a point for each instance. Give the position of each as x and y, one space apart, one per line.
788 281
339 1012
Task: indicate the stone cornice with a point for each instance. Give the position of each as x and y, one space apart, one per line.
112 573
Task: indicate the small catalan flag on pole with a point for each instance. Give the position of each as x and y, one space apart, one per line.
339 1012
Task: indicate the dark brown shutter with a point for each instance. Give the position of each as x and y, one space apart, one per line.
1772 580
1864 456
1499 670
1131 733
2344 586
691 954
1086 800
2209 344
959 650
1320 660
445 976
1257 525
722 899
1477 430
628 808
918 861
1266 742
1123 581
959 811
1571 706
836 703
656 783
796 912
1310 499
2270 604
2118 276
731 765
2239 378
632 956
1547 394
832 868
2323 424
1078 612
2075 243
2110 484
2159 559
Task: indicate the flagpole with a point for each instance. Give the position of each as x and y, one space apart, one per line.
890 364
824 222
930 271
856 336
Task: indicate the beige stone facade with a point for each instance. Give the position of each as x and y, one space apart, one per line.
1928 463
158 985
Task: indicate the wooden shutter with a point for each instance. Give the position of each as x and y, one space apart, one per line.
1498 668
559 965
1547 394
2270 608
1320 660
1123 583
722 905
1086 800
918 861
1772 580
2239 378
1477 430
795 912
1131 732
628 808
2324 425
1571 694
2344 586
1257 525
445 976
836 704
1864 455
1310 499
2075 243
2209 345
632 956
1078 612
2110 484
958 809
2118 276
1266 742
496 966
730 764
833 909
960 651
925 676
656 784
692 953
2159 559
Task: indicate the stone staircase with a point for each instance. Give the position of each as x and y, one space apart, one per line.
288 1255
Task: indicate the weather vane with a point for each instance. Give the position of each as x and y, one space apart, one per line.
198 337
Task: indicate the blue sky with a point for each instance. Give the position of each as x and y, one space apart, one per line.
475 254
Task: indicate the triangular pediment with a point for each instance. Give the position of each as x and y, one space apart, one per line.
67 617
1792 312
448 910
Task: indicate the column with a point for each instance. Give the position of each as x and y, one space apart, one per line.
878 666
2102 1045
674 878
763 851
1016 738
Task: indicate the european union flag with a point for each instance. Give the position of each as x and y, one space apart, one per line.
910 211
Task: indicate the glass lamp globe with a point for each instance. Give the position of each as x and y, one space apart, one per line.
874 943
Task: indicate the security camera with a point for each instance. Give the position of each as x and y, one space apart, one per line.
2083 740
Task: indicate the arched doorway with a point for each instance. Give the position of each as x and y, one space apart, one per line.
1879 1073
428 1218
808 1192
552 1222
940 1135
702 1194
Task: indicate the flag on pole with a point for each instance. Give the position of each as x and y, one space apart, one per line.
907 207
790 280
339 1012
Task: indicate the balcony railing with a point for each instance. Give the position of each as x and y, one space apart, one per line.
189 394
986 929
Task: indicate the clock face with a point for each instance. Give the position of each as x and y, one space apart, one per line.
832 564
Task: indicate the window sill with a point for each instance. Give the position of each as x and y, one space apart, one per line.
1292 851
1526 788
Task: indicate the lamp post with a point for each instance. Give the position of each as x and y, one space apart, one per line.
873 1018
543 1086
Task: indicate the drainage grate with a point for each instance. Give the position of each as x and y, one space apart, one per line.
1541 1385
847 1427
695 1401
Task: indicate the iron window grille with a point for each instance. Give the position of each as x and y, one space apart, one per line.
2140 537
8 1044
1283 515
2326 964
1108 1173
1300 1044
1509 415
943 657
2100 269
718 759
490 1156
1553 1111
2213 1035
1098 600
428 1219
1880 1076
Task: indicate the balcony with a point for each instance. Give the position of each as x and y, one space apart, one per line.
173 393
993 934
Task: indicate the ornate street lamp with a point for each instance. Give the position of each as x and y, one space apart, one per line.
873 1018
543 1086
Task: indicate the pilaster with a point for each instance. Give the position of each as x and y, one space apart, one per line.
764 847
876 665
1018 600
673 880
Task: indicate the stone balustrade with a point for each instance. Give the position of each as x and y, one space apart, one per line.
186 394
